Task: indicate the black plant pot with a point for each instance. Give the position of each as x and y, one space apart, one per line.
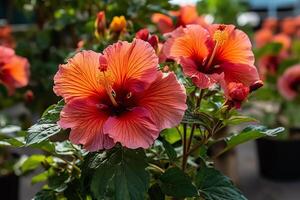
9 187
279 159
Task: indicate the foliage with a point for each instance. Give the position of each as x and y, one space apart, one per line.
177 165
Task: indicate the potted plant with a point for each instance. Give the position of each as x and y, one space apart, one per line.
278 103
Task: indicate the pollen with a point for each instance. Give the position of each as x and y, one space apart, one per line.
220 36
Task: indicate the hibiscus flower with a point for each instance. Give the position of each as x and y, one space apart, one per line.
14 70
118 97
186 15
218 54
289 83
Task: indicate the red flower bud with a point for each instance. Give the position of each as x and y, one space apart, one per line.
142 34
153 40
100 24
237 93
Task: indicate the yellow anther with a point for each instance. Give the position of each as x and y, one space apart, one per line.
220 37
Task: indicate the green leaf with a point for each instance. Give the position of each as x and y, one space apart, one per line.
47 126
238 119
41 177
169 149
59 182
213 185
45 195
32 163
171 135
14 142
121 173
272 48
174 182
251 132
10 129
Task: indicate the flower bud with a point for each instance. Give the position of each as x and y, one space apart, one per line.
118 24
100 24
237 93
144 34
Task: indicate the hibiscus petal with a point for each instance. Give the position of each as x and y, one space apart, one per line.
165 99
200 79
86 121
79 77
236 49
133 64
189 42
240 73
133 129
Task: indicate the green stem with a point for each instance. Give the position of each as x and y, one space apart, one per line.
184 158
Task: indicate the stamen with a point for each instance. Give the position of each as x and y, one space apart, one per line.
220 37
128 96
110 92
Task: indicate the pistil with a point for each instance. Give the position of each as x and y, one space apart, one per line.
220 36
109 90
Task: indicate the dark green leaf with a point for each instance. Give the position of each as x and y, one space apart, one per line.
59 182
121 173
169 149
45 195
47 126
174 182
213 185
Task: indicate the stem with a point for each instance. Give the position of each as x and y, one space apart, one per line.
187 146
184 158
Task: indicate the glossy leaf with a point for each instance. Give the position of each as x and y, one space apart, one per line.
47 126
175 183
251 132
213 185
45 195
121 174
169 149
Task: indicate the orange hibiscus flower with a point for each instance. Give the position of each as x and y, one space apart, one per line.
118 96
14 70
186 15
289 83
218 54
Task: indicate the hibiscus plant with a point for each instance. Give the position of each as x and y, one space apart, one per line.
145 117
278 63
